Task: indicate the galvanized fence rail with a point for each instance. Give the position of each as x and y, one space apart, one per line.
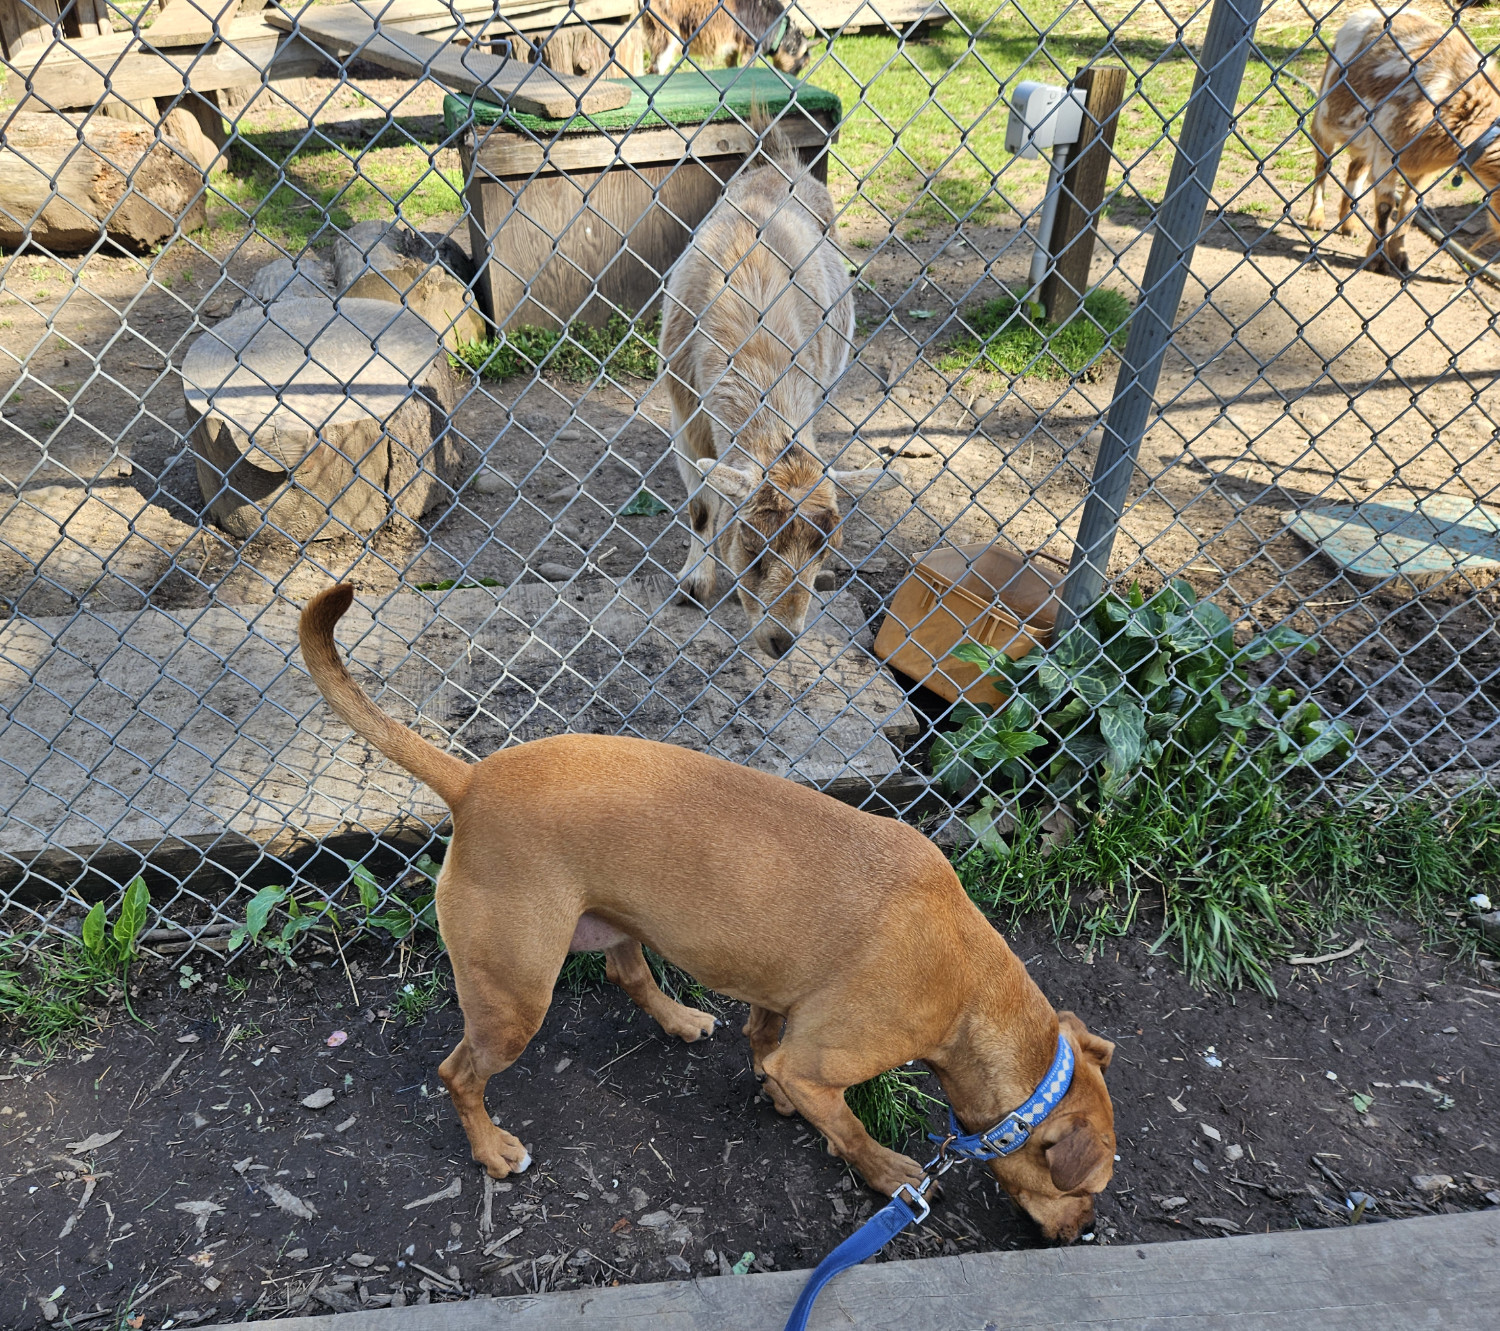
377 291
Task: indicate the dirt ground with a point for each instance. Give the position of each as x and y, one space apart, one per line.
213 1193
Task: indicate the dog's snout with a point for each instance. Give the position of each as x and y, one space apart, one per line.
778 642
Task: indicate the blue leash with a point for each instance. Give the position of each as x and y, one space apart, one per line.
909 1205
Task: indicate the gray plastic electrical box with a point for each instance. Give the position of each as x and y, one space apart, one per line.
1043 116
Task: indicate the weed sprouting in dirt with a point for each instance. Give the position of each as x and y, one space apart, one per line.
893 1106
1010 338
298 920
416 998
49 987
580 354
1154 686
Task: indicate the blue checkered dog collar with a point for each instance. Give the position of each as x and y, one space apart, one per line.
1011 1132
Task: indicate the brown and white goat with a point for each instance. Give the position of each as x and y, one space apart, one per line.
726 32
1407 100
757 322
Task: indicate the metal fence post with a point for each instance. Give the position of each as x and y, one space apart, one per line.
1226 48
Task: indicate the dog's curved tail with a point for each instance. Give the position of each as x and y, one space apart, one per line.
446 775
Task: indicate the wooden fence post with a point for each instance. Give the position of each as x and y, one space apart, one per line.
1076 228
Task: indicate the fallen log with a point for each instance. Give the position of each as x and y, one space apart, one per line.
63 185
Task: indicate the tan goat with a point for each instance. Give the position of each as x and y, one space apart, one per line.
757 322
1406 99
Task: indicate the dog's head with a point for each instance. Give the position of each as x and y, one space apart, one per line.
782 528
791 53
1070 1157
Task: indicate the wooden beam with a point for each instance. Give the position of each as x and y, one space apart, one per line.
80 73
511 156
1077 224
190 23
345 30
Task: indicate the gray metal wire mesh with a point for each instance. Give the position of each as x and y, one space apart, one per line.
283 300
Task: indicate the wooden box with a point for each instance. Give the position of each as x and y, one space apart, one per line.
583 219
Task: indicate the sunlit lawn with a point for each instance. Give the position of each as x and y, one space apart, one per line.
922 142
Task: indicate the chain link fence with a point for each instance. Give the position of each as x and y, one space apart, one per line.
375 292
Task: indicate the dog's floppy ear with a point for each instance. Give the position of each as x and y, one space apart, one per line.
1073 1160
730 483
1093 1046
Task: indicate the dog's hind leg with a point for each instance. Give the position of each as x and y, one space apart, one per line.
494 1036
764 1032
625 965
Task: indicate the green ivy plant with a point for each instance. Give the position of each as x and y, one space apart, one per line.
1152 685
298 920
399 917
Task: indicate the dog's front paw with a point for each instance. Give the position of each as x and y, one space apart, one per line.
889 1171
689 1024
502 1155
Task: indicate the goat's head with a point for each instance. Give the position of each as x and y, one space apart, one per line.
783 525
788 48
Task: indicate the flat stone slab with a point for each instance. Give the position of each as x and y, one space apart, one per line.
1422 538
201 726
1436 1272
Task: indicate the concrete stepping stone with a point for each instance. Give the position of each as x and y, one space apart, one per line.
322 419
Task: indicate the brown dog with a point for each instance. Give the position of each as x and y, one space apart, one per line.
853 929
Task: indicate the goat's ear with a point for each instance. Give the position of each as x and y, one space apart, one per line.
863 480
727 482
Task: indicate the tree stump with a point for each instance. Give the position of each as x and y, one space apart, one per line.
320 420
62 185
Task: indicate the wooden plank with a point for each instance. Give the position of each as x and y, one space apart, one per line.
76 75
505 154
430 16
87 18
795 715
190 23
345 30
1076 227
1429 1273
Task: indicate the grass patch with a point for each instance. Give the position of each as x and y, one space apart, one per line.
1009 339
290 198
1243 874
621 347
893 1106
49 991
416 998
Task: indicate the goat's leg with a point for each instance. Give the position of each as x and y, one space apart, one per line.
692 438
1354 185
1388 249
1320 180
